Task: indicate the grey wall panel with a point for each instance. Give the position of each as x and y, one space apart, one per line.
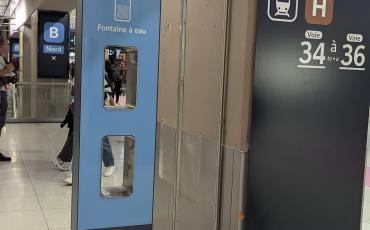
198 190
26 40
240 72
233 190
164 178
169 68
204 66
196 207
190 166
227 188
196 116
235 201
26 74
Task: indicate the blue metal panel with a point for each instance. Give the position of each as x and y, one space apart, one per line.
100 28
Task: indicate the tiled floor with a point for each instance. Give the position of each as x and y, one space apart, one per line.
32 193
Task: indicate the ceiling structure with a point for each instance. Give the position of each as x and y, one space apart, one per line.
7 7
3 5
5 10
14 13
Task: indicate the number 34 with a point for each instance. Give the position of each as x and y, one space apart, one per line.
318 55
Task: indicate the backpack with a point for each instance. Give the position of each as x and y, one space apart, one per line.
117 72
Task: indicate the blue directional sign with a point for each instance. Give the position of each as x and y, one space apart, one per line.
53 56
15 48
54 32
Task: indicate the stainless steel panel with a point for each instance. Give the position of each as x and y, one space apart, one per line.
235 201
199 79
169 69
204 67
164 178
198 190
238 204
168 113
227 188
233 190
199 156
40 101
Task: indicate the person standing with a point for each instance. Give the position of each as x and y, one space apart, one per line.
6 70
64 158
108 84
119 74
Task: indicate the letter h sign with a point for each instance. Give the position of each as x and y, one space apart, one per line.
319 12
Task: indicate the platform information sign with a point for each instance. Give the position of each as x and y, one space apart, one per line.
53 51
310 115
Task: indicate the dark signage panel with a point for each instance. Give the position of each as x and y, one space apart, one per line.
72 39
53 43
310 115
14 48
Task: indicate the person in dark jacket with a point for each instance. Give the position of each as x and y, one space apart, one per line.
64 158
6 71
119 74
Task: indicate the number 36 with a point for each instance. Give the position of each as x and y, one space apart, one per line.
357 57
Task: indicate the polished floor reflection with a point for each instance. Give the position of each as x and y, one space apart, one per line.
32 192
33 195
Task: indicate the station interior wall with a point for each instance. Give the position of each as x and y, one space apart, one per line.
204 100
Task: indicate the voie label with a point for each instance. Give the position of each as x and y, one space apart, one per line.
355 38
312 34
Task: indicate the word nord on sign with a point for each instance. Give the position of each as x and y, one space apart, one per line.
311 34
53 49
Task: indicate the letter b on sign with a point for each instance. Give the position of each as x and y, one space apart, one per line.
319 12
54 32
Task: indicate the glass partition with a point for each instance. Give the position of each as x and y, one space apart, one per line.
117 176
120 77
39 102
